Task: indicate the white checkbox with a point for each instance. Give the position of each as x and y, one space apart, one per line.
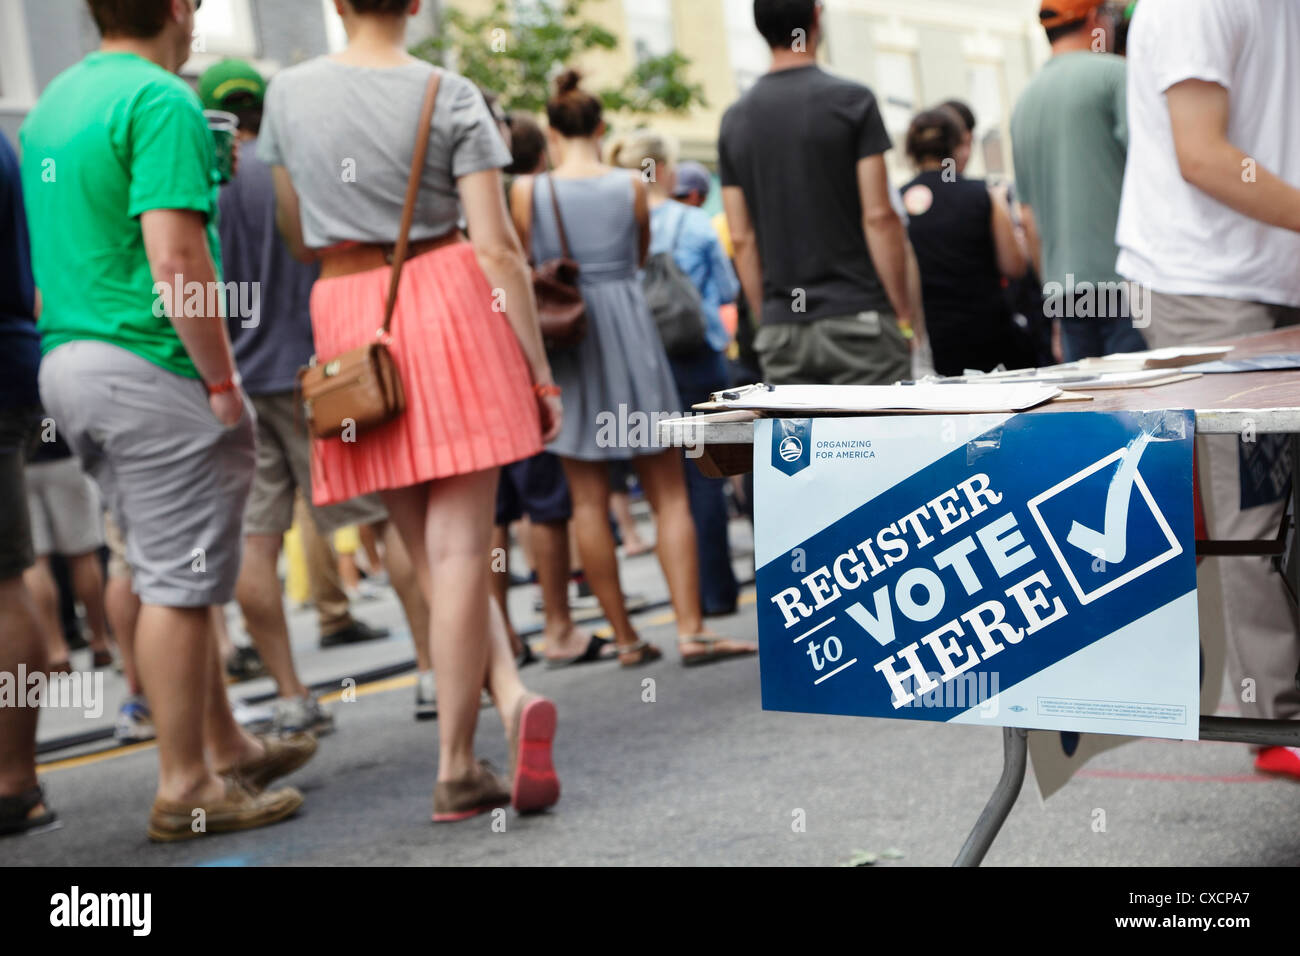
1087 597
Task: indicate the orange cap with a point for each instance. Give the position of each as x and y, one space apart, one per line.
1055 13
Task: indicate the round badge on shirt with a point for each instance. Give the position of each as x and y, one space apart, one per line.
918 200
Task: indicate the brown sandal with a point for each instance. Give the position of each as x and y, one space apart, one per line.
634 655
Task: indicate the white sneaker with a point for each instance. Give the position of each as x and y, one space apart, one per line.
296 715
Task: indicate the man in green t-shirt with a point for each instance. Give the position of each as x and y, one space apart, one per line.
1069 135
118 171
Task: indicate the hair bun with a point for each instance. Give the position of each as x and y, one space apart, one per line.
567 82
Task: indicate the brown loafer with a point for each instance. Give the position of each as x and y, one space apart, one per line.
533 783
282 756
469 796
240 809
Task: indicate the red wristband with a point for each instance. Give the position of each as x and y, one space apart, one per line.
546 391
229 385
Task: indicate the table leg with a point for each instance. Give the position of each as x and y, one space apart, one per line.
1015 755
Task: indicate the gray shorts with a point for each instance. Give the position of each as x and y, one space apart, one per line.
175 479
284 467
65 511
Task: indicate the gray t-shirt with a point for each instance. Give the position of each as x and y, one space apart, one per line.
346 135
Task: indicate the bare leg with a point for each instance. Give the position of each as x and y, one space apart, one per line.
446 526
621 505
501 582
258 593
503 681
589 487
349 572
123 609
225 742
88 585
23 645
221 634
44 599
402 576
665 487
551 551
370 545
175 662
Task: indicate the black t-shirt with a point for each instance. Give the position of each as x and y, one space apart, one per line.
950 225
792 144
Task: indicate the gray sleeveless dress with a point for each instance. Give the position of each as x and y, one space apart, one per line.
617 379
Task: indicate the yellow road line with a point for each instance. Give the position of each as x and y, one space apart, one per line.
362 690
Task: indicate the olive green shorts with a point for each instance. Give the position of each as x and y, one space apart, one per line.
866 348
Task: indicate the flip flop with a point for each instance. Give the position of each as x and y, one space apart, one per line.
595 652
712 655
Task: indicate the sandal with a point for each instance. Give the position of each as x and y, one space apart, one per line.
634 655
101 659
597 650
15 812
713 654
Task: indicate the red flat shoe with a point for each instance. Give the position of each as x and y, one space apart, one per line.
1284 761
533 782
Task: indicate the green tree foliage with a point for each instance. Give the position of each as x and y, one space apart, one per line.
515 53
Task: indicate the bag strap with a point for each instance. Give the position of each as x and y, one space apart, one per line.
681 224
423 132
559 220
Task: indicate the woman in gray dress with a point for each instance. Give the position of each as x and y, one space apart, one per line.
617 379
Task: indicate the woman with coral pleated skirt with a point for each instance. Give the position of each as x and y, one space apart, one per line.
339 134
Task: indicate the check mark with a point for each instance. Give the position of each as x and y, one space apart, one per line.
1111 543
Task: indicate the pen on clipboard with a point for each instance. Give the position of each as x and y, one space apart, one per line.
735 394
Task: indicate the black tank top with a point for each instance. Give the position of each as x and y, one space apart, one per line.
950 228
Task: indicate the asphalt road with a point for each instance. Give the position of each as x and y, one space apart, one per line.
699 776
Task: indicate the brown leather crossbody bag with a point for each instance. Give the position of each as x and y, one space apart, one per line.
561 312
362 387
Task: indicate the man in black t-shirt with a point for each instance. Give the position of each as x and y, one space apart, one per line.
821 252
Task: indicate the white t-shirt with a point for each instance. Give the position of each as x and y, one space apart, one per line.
1173 237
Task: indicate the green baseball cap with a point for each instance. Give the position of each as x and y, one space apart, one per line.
231 83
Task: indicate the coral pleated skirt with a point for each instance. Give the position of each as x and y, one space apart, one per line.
469 398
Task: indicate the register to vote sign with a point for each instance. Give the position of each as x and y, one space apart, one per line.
1012 570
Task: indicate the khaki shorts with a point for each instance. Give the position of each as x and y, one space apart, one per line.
284 467
866 348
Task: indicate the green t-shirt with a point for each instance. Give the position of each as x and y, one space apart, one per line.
111 138
1069 134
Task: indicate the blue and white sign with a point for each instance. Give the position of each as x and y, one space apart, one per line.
1011 570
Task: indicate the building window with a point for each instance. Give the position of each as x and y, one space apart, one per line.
896 89
750 56
225 28
649 28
